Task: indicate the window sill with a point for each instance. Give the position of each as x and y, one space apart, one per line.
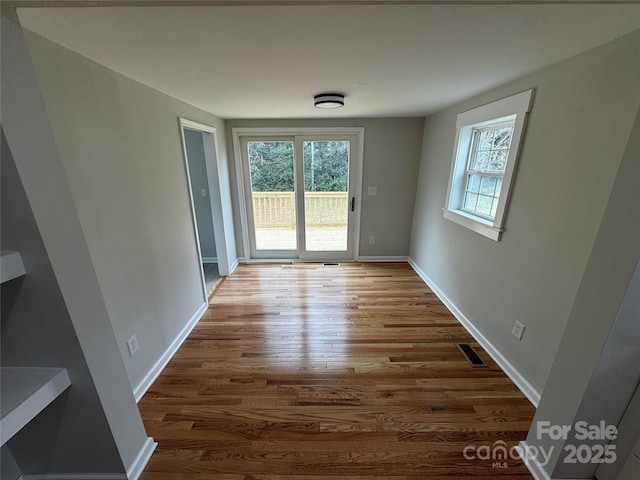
478 225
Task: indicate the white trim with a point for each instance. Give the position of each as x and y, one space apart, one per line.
201 127
209 259
536 470
278 261
184 123
156 369
518 103
382 258
144 455
473 223
234 265
520 381
288 131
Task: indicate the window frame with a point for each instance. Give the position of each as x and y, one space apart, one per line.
473 150
510 109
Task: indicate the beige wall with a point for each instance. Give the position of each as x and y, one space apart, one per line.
121 150
573 144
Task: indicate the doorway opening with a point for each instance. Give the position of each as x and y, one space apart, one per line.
200 156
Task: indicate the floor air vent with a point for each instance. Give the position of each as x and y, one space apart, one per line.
471 355
330 264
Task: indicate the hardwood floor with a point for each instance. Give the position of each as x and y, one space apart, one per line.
328 373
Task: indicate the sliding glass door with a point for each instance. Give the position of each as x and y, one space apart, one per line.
300 196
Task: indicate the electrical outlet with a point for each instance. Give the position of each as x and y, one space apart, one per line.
372 240
518 330
133 346
203 192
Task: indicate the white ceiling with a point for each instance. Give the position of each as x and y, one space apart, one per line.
389 60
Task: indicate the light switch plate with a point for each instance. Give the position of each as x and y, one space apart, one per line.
132 345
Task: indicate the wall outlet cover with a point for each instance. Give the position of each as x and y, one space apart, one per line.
518 330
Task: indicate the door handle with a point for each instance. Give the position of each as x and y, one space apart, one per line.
353 204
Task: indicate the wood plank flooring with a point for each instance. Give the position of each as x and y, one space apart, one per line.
306 372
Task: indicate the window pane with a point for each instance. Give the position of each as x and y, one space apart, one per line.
272 187
482 195
488 185
502 138
326 195
481 161
498 161
484 204
485 141
470 201
474 183
491 151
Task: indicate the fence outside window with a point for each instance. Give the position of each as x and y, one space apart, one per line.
277 209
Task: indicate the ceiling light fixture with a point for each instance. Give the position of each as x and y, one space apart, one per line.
328 100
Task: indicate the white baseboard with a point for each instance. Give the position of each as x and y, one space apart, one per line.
525 387
209 259
363 259
535 469
234 265
154 371
275 261
144 455
382 258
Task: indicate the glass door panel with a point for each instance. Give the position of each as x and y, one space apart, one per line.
271 198
326 195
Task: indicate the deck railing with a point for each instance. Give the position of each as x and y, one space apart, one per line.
277 209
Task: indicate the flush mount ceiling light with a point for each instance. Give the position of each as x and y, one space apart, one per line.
328 100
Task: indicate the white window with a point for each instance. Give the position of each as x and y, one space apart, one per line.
484 161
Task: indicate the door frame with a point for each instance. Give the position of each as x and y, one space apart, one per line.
210 141
238 132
